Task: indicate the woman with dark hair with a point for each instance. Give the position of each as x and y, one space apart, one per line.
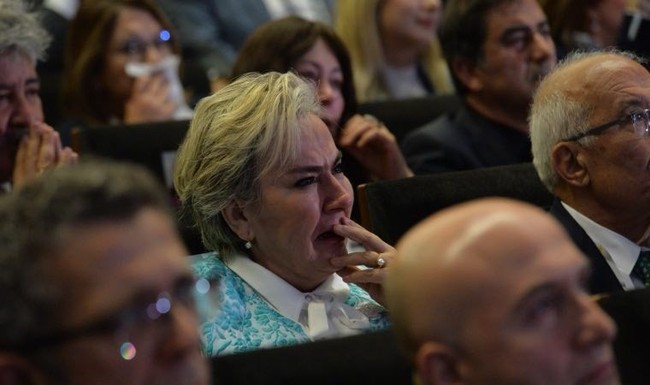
121 64
314 51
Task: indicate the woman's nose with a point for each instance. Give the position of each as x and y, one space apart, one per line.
325 92
153 54
339 195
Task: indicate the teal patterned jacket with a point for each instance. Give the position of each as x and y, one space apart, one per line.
245 320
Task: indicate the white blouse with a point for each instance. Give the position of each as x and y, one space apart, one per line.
322 312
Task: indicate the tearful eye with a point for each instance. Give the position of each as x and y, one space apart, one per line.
133 47
640 122
304 182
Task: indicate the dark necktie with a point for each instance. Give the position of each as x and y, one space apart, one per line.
642 267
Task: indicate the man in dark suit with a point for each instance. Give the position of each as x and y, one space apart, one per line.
497 51
635 33
589 131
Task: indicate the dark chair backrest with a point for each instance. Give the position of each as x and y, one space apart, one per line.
404 115
152 145
50 92
371 358
149 144
390 208
631 312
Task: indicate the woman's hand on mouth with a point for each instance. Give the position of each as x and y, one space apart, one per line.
376 258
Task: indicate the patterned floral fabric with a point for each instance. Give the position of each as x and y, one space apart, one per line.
246 321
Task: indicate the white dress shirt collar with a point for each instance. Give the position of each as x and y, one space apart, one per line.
65 8
619 251
308 9
285 298
292 303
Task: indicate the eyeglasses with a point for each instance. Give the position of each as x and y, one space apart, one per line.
136 48
139 324
640 122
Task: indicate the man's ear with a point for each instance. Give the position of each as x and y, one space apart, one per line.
436 364
568 163
465 71
16 370
236 218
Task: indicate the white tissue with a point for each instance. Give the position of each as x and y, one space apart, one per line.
168 66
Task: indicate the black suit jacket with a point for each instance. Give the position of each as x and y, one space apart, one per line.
635 40
464 140
631 312
603 279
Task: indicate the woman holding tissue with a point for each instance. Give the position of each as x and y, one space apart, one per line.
261 176
121 64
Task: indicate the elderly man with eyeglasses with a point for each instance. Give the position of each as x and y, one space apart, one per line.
589 132
96 288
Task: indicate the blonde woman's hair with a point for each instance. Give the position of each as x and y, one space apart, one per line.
357 24
241 133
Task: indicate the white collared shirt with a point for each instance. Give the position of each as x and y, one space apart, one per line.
293 304
619 252
309 9
403 83
65 8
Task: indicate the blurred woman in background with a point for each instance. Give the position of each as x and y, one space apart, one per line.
394 48
121 64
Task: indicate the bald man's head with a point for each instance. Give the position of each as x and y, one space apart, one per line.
463 276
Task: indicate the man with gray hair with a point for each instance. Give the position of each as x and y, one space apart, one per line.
96 288
28 146
589 131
